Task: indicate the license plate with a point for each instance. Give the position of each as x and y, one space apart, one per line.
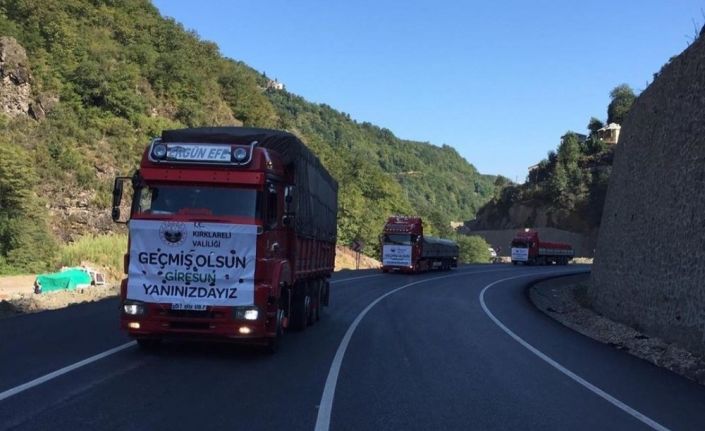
197 307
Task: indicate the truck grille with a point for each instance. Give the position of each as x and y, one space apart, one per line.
189 325
193 314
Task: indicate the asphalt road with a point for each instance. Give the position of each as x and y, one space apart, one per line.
432 351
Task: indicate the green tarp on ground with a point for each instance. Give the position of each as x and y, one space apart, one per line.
64 280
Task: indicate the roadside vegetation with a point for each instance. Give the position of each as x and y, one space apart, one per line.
571 180
103 250
473 249
110 75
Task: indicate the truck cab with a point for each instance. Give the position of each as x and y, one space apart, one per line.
400 242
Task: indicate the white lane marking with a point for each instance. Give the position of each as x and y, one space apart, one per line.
54 374
614 401
326 405
355 278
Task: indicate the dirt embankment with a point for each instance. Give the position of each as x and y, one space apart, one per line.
29 302
345 259
565 299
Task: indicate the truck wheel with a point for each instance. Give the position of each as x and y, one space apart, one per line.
272 345
300 309
315 308
326 287
321 300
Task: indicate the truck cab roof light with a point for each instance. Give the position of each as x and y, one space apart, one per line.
159 151
239 154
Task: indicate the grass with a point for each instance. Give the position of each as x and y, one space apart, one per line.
104 250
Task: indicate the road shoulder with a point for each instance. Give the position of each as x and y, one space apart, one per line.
564 299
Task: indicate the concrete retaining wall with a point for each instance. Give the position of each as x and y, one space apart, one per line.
649 268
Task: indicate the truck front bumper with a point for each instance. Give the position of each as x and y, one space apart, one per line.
221 327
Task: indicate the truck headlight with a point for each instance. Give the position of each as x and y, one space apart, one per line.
246 313
134 308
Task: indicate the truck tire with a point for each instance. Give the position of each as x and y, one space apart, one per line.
319 301
326 293
272 345
314 314
300 309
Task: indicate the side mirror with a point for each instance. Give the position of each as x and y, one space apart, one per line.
289 212
289 194
118 189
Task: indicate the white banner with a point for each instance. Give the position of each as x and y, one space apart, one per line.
192 263
520 254
396 255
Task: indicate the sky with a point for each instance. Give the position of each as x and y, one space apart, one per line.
501 81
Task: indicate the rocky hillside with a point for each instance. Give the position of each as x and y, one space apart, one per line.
650 261
573 204
86 84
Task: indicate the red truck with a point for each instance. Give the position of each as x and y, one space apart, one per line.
405 248
231 237
528 249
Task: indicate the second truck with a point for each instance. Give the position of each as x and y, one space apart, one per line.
231 237
405 248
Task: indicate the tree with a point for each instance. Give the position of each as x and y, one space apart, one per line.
623 98
25 241
473 249
499 184
594 125
569 149
438 224
594 145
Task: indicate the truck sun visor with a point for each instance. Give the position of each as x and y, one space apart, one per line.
316 197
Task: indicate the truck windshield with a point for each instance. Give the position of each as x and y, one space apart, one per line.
210 200
399 239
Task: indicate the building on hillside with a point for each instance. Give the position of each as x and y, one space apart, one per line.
610 133
274 85
455 225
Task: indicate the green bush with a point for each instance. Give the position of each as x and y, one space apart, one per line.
473 249
105 250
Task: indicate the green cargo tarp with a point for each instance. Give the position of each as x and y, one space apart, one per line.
64 280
